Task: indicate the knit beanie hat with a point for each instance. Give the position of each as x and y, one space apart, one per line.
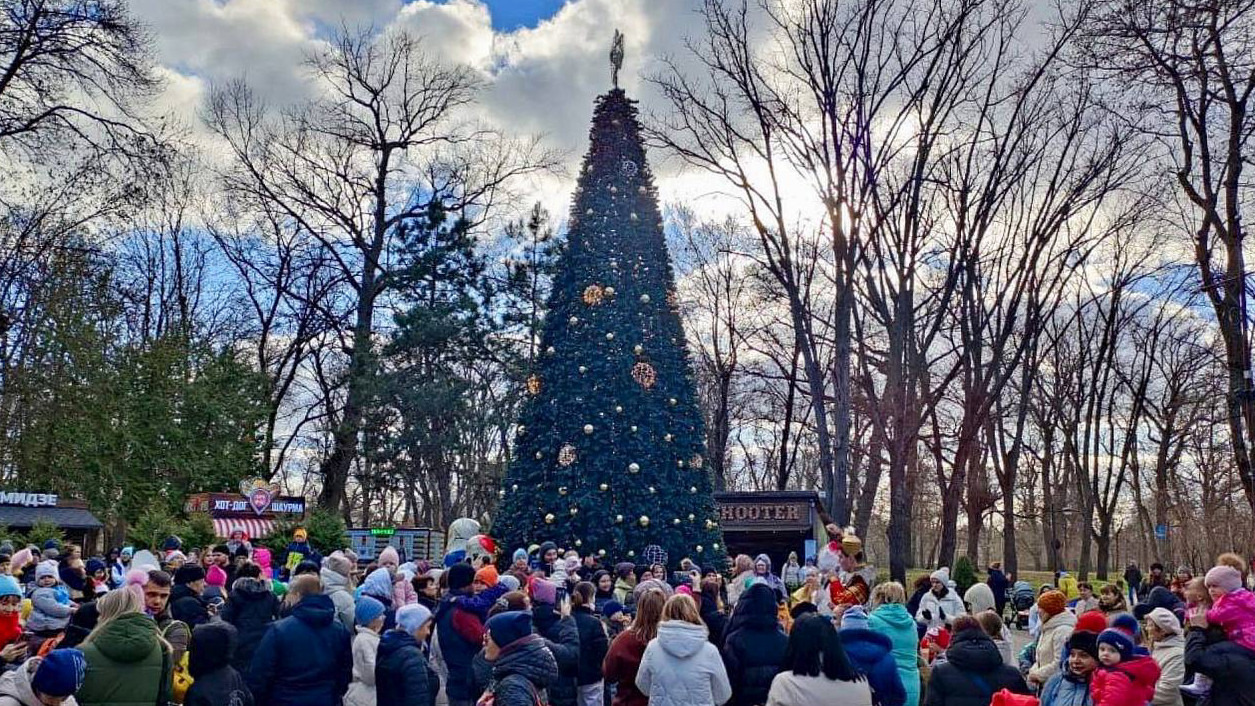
1092 621
1165 620
544 592
1127 624
1118 640
1085 641
412 617
187 574
46 568
366 610
52 544
9 587
338 563
216 576
520 554
510 581
624 569
388 557
60 673
611 607
460 576
1052 603
94 565
855 619
1225 578
509 627
487 576
942 575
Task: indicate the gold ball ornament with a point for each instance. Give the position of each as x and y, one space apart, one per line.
579 542
667 437
679 463
673 402
601 552
638 349
550 350
631 552
676 522
562 490
633 428
693 489
644 298
618 518
533 384
588 428
567 455
575 511
609 291
583 369
610 336
501 493
573 320
540 455
652 490
634 217
514 486
644 375
715 546
634 467
603 487
698 548
549 518
692 517
710 524
644 521
594 294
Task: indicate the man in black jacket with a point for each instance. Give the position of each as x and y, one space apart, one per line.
973 671
593 642
186 603
1230 666
251 608
563 639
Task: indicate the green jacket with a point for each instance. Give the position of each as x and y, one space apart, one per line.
127 664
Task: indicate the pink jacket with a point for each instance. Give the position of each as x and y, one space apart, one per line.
1235 612
403 592
261 556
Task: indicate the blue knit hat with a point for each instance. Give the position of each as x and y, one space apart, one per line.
520 555
9 587
611 607
855 618
1119 640
1127 624
60 673
509 627
367 610
412 617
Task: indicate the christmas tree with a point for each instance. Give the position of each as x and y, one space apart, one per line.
609 448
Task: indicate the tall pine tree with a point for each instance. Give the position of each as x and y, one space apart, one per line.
609 455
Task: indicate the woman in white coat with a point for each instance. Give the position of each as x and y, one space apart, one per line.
681 667
817 670
368 617
1168 651
941 605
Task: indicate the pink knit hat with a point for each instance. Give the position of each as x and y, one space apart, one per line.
1225 578
215 576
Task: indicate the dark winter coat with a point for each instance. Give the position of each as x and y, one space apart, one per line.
562 636
522 672
999 584
461 635
871 653
912 605
252 607
972 673
622 663
306 659
754 646
402 675
216 682
187 607
716 621
593 644
1231 667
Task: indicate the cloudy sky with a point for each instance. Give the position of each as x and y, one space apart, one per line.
544 60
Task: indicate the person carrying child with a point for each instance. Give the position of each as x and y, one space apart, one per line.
51 607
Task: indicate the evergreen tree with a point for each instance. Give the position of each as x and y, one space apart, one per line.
609 454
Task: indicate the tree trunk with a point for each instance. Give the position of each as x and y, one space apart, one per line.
838 495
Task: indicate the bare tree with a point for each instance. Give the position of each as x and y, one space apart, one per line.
378 144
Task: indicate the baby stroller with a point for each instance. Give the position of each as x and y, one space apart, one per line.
1022 596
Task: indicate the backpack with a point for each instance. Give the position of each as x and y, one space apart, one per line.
182 676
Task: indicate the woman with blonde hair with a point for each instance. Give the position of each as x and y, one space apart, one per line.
128 662
680 667
623 661
742 575
301 586
890 618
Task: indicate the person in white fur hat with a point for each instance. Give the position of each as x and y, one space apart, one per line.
941 605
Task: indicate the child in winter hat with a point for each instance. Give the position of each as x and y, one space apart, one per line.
57 675
1232 607
10 610
50 602
1123 677
368 619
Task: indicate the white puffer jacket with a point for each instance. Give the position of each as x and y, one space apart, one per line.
682 668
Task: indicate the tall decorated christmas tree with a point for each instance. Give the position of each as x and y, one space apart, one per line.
609 450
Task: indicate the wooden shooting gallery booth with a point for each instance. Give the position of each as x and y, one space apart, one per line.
772 522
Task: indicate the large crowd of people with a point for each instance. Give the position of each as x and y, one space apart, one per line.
227 626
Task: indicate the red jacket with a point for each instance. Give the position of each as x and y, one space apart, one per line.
621 664
1129 683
